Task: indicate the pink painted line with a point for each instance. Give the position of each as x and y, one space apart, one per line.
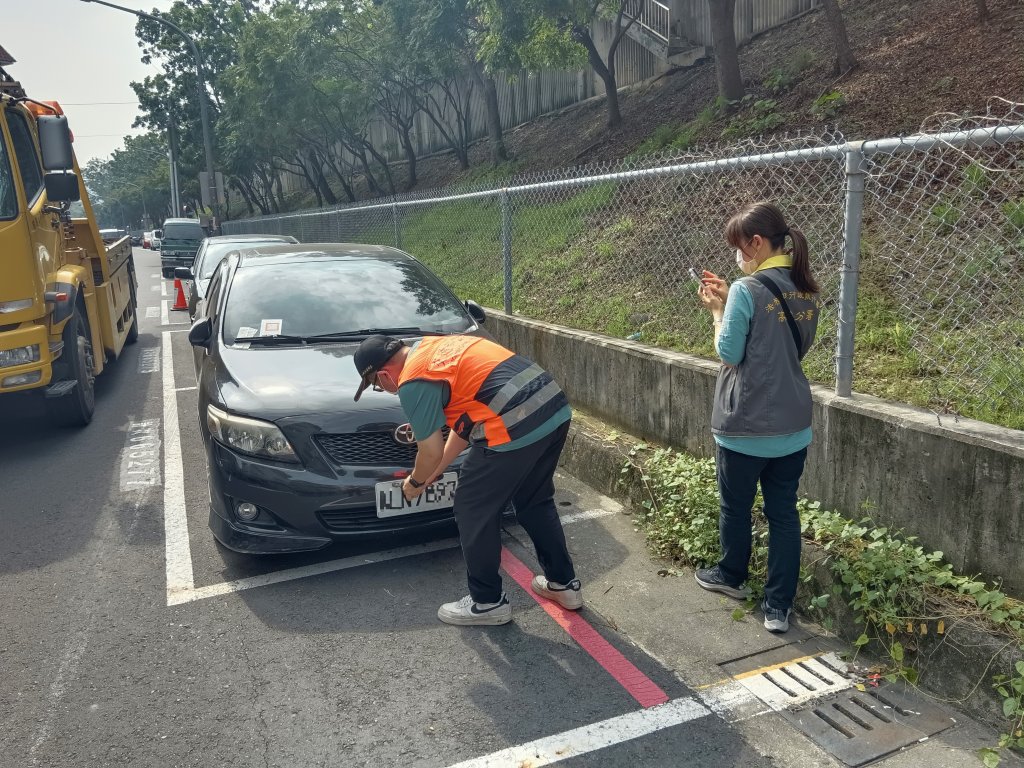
636 683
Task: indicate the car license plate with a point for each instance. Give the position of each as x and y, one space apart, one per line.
439 495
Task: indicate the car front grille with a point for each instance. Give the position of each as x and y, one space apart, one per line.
364 520
368 448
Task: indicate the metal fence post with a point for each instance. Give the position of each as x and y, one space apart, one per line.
853 216
398 224
506 247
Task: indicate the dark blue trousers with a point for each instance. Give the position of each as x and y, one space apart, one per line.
738 476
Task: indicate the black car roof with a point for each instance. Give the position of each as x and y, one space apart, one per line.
282 254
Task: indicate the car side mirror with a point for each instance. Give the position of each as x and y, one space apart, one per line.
55 143
200 333
476 311
183 273
61 187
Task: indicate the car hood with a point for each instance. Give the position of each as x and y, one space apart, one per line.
280 382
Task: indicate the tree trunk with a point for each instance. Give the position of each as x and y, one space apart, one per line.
310 182
727 61
383 163
318 173
340 176
499 154
845 60
410 153
983 14
582 36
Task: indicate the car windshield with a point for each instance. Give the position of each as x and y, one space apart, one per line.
312 298
183 231
214 252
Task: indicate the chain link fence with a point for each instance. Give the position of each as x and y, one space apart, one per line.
918 244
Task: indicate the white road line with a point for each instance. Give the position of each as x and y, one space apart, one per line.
178 554
316 569
164 318
587 514
153 312
149 360
163 287
184 389
156 276
155 288
589 738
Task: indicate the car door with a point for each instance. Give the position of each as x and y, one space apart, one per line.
207 308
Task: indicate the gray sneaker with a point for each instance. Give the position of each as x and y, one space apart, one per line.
775 620
712 579
568 596
467 612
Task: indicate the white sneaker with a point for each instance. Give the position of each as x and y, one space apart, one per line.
568 596
466 611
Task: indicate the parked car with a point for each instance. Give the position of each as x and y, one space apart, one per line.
136 237
211 251
294 462
179 243
147 239
157 238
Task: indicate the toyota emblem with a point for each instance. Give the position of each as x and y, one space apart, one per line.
403 434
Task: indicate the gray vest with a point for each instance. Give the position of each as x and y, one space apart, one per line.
767 393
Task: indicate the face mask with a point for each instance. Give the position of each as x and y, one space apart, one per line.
746 267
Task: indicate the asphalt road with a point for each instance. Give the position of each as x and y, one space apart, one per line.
128 637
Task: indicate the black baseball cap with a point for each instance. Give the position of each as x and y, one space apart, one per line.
372 355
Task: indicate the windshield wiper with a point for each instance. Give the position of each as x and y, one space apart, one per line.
372 331
269 340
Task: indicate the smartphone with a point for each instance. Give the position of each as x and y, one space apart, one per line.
695 276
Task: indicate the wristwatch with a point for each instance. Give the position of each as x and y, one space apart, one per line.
414 482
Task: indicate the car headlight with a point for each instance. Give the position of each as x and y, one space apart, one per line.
251 436
19 356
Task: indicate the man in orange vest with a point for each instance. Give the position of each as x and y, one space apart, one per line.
515 418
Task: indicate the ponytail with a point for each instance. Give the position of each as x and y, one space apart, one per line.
766 220
801 271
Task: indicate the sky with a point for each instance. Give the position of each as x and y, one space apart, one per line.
84 56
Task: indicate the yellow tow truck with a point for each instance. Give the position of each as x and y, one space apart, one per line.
67 300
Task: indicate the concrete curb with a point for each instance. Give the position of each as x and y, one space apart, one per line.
956 667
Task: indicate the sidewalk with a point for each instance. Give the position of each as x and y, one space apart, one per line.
693 633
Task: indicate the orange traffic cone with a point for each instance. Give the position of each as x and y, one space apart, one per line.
179 300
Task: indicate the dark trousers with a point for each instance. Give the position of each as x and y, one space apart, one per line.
488 482
738 475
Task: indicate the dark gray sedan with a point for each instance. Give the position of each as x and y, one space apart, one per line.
294 462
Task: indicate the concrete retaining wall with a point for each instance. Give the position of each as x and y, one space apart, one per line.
957 486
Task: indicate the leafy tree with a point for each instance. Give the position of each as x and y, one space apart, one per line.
131 188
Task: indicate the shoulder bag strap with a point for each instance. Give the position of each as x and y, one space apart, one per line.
768 283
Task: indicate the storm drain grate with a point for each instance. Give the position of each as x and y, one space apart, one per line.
859 727
799 682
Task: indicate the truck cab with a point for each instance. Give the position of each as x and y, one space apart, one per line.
179 244
67 299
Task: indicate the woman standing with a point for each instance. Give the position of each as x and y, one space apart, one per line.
764 325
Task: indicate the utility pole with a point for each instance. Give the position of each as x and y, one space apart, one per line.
172 156
204 116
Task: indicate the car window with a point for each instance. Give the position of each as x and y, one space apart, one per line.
213 295
183 231
8 198
212 253
25 152
317 297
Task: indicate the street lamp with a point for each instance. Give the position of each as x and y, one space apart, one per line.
204 117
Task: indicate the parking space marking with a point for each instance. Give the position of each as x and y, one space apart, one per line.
316 569
163 287
149 360
140 459
180 579
164 317
589 738
636 683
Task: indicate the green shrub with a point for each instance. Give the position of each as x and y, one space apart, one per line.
828 105
1014 212
944 216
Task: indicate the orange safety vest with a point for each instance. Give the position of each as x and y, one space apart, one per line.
495 395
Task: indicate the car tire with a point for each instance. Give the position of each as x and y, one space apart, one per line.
76 408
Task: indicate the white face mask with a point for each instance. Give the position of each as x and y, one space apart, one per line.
746 267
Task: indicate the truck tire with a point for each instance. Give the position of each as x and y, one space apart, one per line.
75 409
133 332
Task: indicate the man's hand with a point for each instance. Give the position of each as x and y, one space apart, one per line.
409 491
